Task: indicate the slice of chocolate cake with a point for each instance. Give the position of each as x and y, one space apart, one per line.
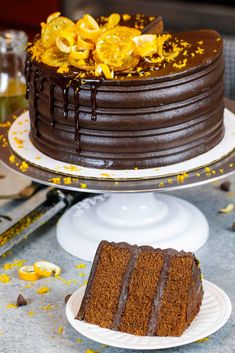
142 290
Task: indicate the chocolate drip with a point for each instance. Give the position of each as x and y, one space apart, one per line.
35 101
93 87
41 83
152 326
51 102
125 286
65 98
27 73
76 117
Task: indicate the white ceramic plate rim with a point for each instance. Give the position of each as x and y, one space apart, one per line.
127 341
21 127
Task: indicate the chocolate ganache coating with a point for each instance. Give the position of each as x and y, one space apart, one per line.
163 116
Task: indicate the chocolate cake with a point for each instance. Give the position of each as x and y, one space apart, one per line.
141 290
162 109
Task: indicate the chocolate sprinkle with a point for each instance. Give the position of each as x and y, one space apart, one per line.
21 301
225 186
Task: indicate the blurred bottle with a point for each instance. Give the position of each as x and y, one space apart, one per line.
12 81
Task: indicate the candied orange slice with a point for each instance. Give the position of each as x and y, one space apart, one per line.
129 63
87 33
84 64
52 16
90 22
113 20
52 29
82 44
46 269
114 45
54 57
103 68
146 44
64 41
27 273
79 54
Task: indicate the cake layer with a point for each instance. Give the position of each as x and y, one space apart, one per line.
173 114
152 292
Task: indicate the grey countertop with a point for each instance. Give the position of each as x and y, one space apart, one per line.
42 327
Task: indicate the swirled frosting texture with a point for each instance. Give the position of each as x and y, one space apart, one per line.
172 115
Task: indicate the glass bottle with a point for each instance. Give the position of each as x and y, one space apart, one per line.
12 80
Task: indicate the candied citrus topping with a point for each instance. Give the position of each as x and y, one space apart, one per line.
46 269
52 16
52 28
104 48
113 20
64 41
115 45
146 44
82 44
54 57
27 273
103 68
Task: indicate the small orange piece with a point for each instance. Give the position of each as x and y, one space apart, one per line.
103 68
146 44
113 20
27 273
88 28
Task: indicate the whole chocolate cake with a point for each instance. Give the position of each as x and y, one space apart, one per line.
103 94
142 290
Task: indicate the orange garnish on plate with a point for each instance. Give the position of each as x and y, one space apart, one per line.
46 269
27 273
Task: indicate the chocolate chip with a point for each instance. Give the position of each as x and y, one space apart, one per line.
67 298
21 301
225 186
233 227
2 176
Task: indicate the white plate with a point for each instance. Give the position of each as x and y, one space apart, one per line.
19 131
215 311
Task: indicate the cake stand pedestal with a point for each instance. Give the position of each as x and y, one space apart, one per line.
128 210
154 219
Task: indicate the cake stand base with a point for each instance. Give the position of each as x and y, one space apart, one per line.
152 219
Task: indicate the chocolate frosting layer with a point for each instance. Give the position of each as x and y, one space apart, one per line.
172 115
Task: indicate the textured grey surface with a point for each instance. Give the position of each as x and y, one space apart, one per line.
32 329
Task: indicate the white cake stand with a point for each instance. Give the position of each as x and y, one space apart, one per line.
129 210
